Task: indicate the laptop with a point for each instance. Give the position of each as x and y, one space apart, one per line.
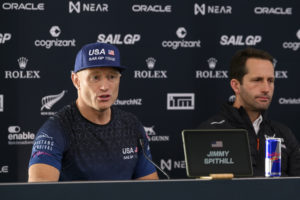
217 151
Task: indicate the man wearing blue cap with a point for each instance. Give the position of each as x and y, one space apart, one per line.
89 139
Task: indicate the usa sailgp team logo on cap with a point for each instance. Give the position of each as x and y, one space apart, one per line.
98 55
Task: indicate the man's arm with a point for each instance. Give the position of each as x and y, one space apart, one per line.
152 176
42 173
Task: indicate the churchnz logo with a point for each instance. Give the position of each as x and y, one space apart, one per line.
18 137
152 136
181 33
22 73
49 101
180 101
150 74
55 32
295 45
212 73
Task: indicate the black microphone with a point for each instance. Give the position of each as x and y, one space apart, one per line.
141 140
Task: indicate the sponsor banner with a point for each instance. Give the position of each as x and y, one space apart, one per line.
170 164
55 32
49 101
150 74
240 40
294 45
119 39
23 6
129 102
180 101
81 7
289 101
211 74
181 43
18 137
154 137
1 102
22 73
273 11
4 37
205 9
138 8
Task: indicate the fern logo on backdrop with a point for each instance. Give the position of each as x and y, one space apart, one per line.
49 101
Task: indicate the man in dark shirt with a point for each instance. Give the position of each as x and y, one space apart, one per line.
90 139
252 80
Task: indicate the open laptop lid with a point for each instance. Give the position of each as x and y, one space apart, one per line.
217 151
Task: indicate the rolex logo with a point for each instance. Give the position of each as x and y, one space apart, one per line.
212 62
150 62
22 62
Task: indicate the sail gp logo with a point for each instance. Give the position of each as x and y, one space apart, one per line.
129 153
119 39
211 74
49 101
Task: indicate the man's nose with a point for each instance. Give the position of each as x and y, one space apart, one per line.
104 85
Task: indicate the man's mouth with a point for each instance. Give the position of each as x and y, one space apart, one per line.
104 97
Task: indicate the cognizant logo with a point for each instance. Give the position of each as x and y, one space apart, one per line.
181 34
55 31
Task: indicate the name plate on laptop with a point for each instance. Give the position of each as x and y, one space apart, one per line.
217 151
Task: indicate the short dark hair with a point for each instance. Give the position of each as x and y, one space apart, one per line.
238 69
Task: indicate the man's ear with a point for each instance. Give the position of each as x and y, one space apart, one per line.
235 85
75 80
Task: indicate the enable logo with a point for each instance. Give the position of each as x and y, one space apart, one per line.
18 137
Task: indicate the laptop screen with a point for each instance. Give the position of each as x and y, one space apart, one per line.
217 151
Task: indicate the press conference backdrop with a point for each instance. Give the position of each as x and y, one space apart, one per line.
177 54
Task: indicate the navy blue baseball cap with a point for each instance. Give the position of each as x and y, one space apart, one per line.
98 55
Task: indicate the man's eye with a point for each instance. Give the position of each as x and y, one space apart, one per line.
95 78
111 77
